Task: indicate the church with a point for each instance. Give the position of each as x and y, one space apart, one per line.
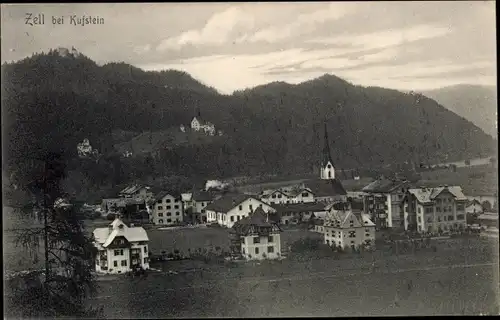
328 188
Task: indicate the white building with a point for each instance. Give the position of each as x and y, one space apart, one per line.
198 124
120 248
231 208
348 230
284 196
166 209
255 237
434 209
84 149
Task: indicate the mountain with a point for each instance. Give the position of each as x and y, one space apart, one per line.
475 103
53 101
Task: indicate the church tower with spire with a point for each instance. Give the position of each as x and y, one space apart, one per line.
327 168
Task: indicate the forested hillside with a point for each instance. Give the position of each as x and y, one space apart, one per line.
51 102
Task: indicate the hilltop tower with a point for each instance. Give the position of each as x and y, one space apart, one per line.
327 168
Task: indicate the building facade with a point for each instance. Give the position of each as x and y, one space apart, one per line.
166 209
342 228
434 210
382 201
255 237
121 248
282 196
230 208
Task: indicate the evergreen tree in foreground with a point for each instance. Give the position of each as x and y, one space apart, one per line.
60 290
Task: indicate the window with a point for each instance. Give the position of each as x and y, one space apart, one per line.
256 250
176 200
169 214
240 207
124 263
160 214
449 209
460 217
438 209
270 239
168 201
460 207
237 218
115 263
256 240
439 219
270 249
429 219
146 260
177 220
118 252
445 209
273 196
177 213
305 194
352 234
419 219
250 207
450 218
232 218
367 230
243 250
160 221
169 220
444 218
428 210
146 249
176 206
419 209
160 201
169 207
160 208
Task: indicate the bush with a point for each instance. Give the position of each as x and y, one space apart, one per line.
111 216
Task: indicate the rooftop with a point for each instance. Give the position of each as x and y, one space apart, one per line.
227 202
104 236
326 187
384 185
425 195
299 207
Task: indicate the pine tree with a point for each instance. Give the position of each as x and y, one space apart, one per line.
67 280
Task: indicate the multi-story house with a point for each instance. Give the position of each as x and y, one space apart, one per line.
121 248
194 205
137 192
434 209
256 237
231 208
382 201
166 209
343 228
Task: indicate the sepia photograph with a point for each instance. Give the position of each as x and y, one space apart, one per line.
249 159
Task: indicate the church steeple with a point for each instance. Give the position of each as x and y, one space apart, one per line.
327 169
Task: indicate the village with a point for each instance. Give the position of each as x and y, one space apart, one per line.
253 224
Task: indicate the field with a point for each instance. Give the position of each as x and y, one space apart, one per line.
404 285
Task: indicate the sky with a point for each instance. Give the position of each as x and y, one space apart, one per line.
233 46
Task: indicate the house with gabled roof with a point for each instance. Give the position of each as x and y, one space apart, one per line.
166 208
194 205
231 208
440 209
256 237
200 124
343 228
382 201
137 191
121 248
